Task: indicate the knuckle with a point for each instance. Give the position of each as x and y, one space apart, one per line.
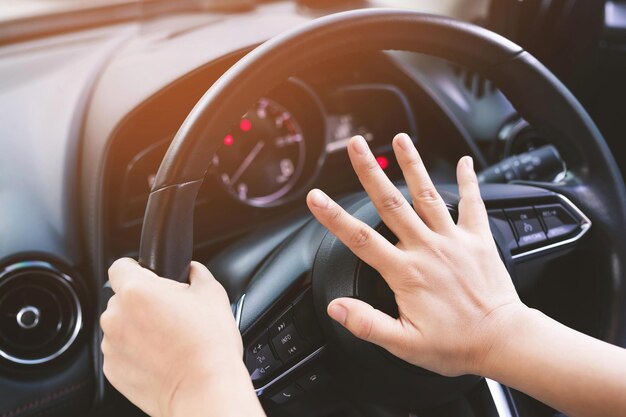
109 326
334 214
371 166
471 180
392 202
363 328
428 195
415 162
474 200
439 250
360 238
413 276
104 348
105 321
430 240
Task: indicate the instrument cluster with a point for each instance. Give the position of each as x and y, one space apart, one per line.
288 142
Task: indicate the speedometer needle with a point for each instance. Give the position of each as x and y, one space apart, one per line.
246 162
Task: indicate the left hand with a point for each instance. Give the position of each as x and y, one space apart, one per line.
171 348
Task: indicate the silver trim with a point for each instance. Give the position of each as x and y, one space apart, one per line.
20 317
239 310
512 130
65 280
499 398
584 228
260 391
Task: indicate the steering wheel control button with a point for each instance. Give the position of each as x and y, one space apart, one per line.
527 225
288 343
282 323
287 394
500 222
260 361
559 223
312 379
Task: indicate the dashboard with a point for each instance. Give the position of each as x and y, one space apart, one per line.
88 115
289 141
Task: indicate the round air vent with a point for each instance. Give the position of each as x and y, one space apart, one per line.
40 314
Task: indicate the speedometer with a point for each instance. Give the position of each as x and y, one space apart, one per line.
262 158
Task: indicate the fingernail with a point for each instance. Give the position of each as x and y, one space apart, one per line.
404 141
319 199
338 312
360 146
469 162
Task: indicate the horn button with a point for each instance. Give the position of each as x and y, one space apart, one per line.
368 371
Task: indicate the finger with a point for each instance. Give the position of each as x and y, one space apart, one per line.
119 270
108 313
365 322
362 240
105 346
126 271
199 275
393 208
106 321
426 200
472 213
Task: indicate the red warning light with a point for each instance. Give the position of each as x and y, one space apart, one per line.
245 125
383 162
229 140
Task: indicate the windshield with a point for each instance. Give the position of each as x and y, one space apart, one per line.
19 9
22 19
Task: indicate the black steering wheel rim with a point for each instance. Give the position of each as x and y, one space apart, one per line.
167 235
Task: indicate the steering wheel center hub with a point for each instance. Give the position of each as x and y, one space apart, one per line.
368 370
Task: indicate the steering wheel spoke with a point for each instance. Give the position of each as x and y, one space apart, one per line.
530 222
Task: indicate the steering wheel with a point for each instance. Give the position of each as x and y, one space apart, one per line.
589 202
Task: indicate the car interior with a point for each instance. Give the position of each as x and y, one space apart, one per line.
168 131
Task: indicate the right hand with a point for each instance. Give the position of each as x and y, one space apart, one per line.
454 294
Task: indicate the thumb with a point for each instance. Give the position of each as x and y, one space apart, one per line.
199 275
365 322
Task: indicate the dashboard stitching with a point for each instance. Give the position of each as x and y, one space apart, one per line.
44 400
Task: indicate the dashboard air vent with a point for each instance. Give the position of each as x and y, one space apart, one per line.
40 313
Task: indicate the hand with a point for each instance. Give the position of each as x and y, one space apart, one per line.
173 348
454 294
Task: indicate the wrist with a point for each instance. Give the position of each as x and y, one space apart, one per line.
217 388
498 336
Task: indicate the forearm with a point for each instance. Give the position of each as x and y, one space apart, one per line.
561 367
227 393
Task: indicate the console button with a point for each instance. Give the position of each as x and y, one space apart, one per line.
557 220
285 395
282 323
288 343
312 379
500 221
260 360
527 226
